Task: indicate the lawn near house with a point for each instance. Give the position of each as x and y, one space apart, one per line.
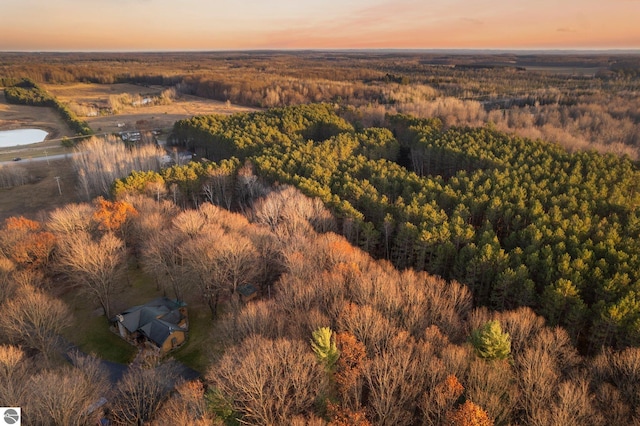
90 330
201 345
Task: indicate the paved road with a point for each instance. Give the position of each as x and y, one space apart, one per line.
47 158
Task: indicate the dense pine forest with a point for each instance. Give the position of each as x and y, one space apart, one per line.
520 222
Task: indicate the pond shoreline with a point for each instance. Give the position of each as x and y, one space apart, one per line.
19 137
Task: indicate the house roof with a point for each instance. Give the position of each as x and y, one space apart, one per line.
158 331
156 319
247 290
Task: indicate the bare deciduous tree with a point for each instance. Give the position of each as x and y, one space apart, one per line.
95 266
66 396
248 186
101 161
522 325
71 218
622 369
262 317
14 373
538 377
368 325
574 405
153 216
236 262
187 406
492 385
440 398
189 222
269 253
219 262
268 381
199 254
395 380
219 188
161 258
141 392
7 283
34 319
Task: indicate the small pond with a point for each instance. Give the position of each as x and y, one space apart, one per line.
21 137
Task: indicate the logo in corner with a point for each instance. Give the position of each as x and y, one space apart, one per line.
11 416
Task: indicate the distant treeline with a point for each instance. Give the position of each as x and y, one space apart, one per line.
27 92
580 101
520 222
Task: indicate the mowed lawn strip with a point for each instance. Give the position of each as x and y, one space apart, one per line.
203 343
90 330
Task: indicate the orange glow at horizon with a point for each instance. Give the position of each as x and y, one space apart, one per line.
284 24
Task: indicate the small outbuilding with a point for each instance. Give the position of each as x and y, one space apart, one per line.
247 292
161 323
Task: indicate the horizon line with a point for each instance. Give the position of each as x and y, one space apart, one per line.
329 50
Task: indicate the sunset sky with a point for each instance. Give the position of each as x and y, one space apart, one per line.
131 25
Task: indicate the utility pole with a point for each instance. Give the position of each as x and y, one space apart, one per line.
46 156
57 178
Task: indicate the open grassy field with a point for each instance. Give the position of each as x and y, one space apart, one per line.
97 95
34 199
134 117
23 116
43 194
87 93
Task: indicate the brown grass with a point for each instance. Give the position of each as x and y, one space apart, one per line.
84 93
34 199
146 117
42 195
23 116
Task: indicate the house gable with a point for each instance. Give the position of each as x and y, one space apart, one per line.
156 320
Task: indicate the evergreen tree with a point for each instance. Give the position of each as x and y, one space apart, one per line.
490 342
324 346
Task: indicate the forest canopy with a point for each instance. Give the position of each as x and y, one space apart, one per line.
582 101
521 222
409 252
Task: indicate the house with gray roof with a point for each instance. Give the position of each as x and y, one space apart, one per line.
161 323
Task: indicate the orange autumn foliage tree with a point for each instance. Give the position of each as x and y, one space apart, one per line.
349 367
469 414
21 223
112 215
450 389
437 404
340 250
341 416
187 406
24 242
